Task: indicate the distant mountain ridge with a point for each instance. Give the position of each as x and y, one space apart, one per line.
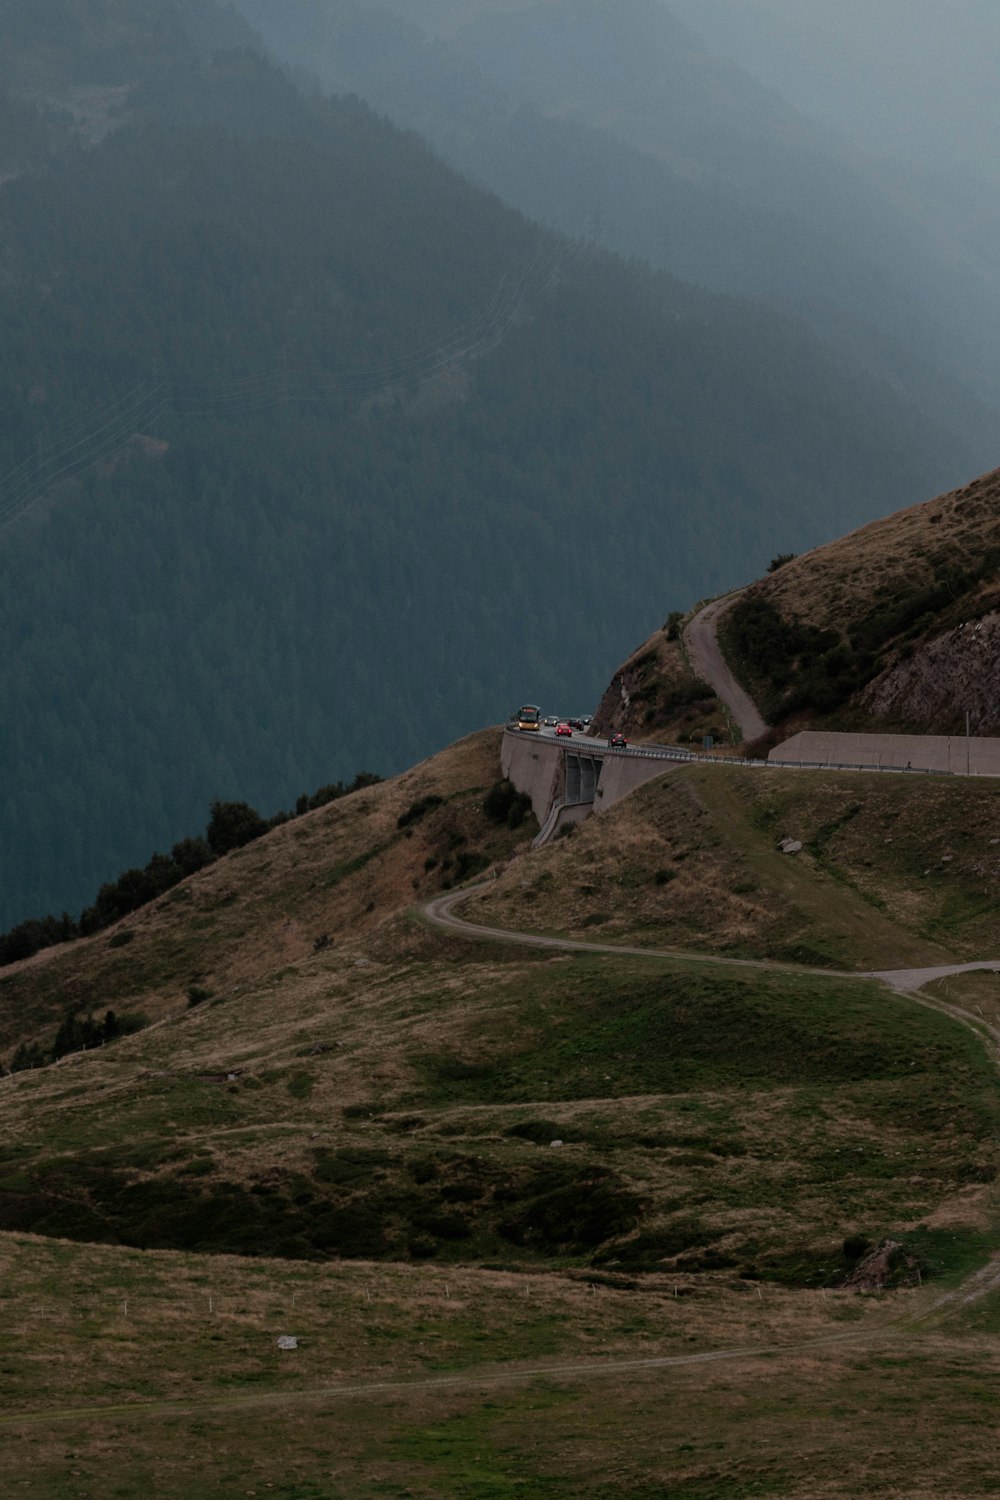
691 163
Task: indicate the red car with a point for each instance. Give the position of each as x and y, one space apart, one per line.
564 729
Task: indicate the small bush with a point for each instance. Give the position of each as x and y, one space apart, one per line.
361 1111
503 803
469 862
197 995
417 809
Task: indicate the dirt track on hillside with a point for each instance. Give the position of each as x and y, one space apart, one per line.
905 981
981 1283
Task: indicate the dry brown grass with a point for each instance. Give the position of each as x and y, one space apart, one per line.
96 1312
834 585
977 993
691 861
341 871
129 1381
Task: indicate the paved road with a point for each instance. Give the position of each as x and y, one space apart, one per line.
710 664
587 742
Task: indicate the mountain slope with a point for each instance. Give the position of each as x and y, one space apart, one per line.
489 1198
341 1082
684 159
316 456
895 626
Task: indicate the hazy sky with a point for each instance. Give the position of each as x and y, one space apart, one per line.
915 79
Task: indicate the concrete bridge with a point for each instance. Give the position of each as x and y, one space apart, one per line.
567 779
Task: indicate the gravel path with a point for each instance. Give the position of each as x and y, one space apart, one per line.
906 981
982 1283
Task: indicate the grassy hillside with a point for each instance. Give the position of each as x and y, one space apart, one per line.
892 872
434 1160
850 1405
332 873
346 1083
893 627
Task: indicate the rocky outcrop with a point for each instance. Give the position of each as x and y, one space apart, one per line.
942 680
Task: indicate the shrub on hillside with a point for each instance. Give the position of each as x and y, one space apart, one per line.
76 1034
232 825
416 810
503 803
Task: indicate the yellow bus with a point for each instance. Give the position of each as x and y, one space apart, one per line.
529 716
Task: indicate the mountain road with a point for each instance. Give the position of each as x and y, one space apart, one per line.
708 662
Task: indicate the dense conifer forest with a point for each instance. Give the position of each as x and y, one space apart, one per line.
314 455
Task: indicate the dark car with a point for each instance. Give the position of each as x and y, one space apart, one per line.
617 742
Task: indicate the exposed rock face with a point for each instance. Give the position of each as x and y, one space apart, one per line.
933 689
888 1265
614 714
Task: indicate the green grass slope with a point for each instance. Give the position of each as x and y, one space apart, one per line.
450 1167
892 873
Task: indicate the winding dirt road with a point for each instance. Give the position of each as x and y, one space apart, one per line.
440 913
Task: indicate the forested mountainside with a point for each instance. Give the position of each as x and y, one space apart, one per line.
314 455
568 106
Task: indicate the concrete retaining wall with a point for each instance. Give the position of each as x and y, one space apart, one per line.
549 770
623 773
919 752
535 766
